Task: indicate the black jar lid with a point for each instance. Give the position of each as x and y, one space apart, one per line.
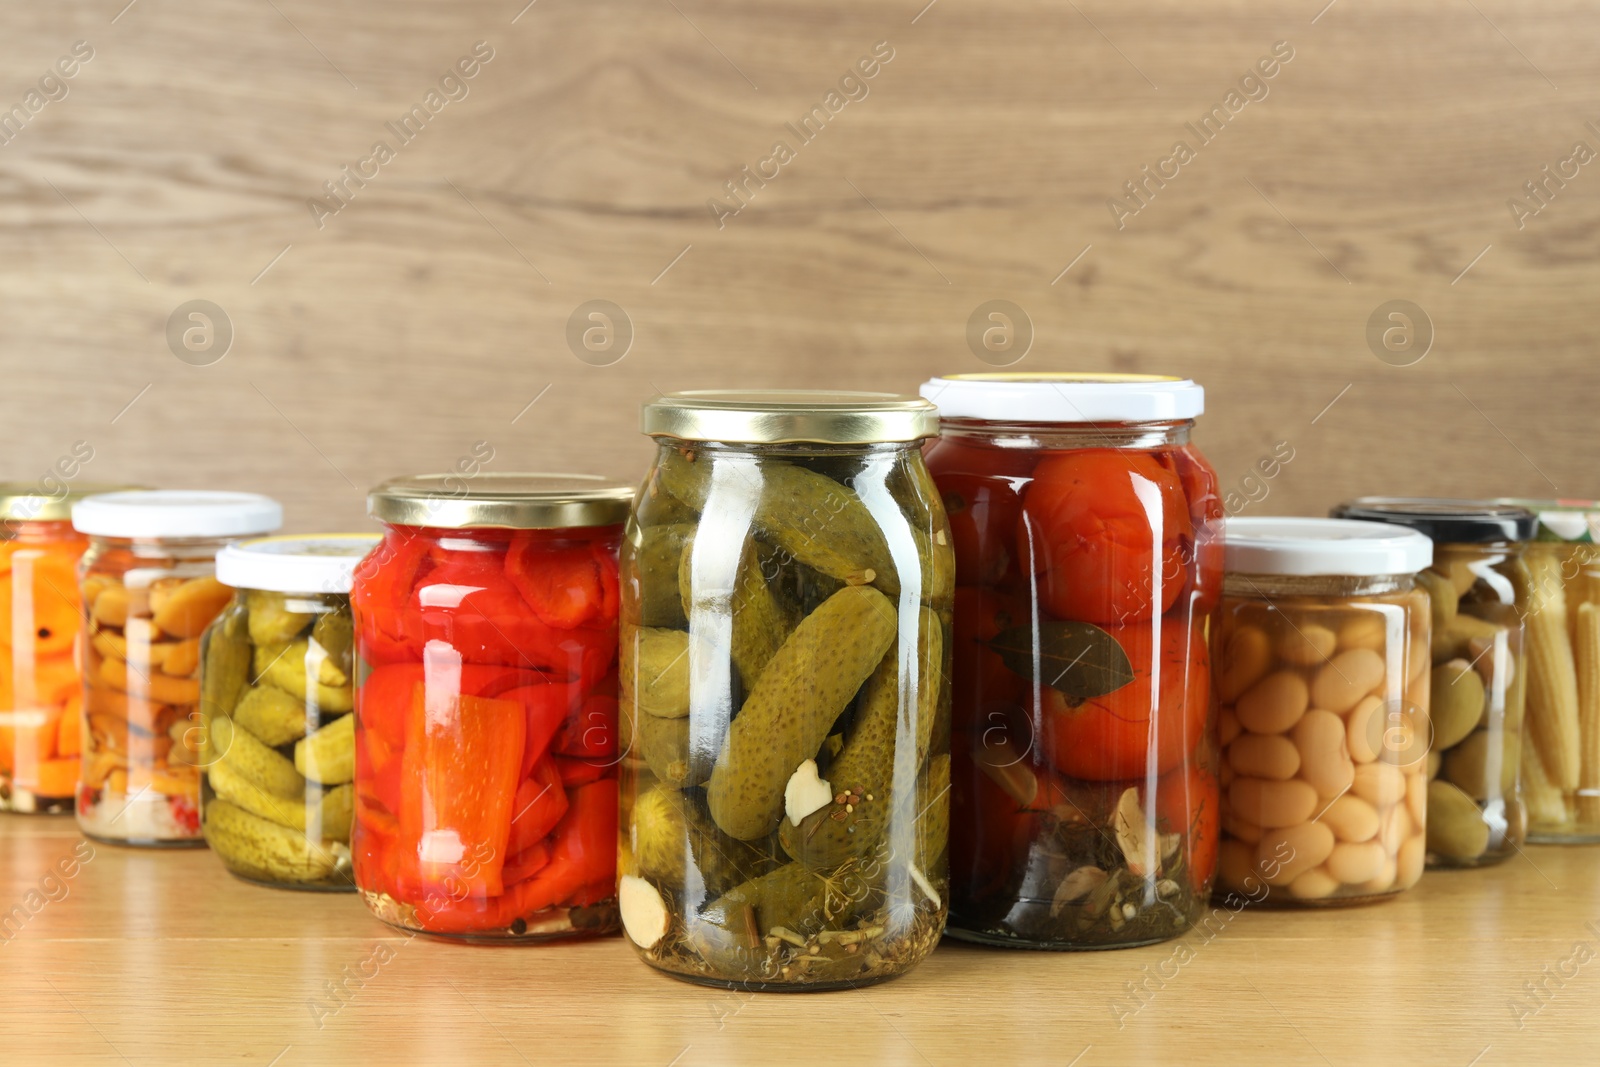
1445 521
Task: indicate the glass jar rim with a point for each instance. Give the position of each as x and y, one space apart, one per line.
785 416
509 500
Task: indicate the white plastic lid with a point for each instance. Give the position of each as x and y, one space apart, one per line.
1065 397
295 563
177 513
1323 546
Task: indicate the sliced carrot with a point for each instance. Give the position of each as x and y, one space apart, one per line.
69 731
57 777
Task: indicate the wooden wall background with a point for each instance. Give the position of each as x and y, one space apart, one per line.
426 315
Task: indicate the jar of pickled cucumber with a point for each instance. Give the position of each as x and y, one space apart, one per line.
1323 671
1088 568
1475 816
149 591
486 706
1560 589
278 744
786 594
41 691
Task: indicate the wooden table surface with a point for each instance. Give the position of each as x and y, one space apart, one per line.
162 957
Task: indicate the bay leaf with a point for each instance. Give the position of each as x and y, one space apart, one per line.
1077 658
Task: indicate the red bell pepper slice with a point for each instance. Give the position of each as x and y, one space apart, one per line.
540 803
525 865
568 583
384 580
584 851
474 608
592 731
546 708
582 771
460 775
383 701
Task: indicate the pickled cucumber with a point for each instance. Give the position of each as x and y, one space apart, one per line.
273 716
663 744
264 849
285 667
651 555
225 671
338 808
271 621
328 756
669 828
759 621
238 750
860 777
792 708
655 671
335 632
932 814
229 783
818 521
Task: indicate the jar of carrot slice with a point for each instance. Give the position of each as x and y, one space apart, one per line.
40 616
149 591
486 706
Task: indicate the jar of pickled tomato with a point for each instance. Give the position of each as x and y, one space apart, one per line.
1087 532
41 690
149 591
486 706
1323 671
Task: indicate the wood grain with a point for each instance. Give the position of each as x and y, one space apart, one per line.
426 315
150 958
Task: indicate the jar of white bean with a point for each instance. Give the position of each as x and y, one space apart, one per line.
1323 673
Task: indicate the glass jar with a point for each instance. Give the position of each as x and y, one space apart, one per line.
1323 671
1561 740
149 591
485 733
278 744
786 581
41 691
1475 711
1088 568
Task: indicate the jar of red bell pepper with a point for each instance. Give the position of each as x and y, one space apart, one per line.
486 706
1087 531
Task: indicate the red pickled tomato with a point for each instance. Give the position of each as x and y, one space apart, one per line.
981 489
1189 802
1205 511
1087 530
979 676
1111 736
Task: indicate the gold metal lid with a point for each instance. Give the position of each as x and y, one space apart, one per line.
30 502
779 416
518 501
